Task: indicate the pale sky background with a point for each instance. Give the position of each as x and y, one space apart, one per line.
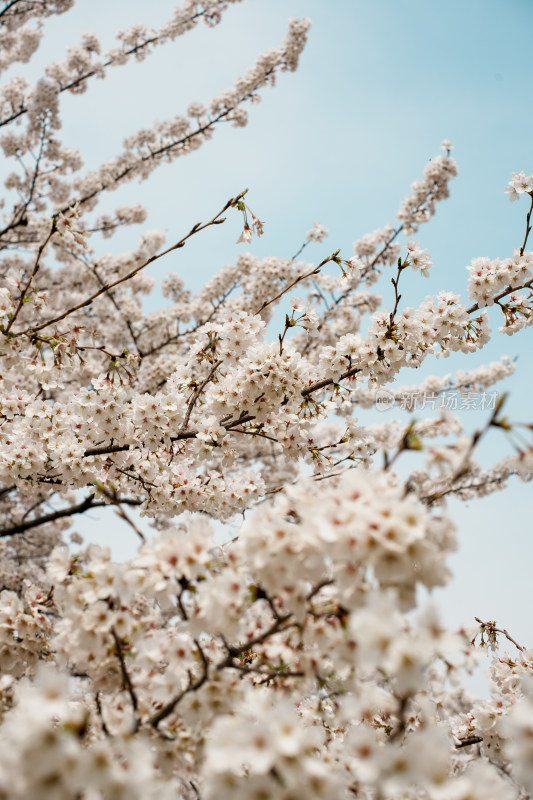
379 86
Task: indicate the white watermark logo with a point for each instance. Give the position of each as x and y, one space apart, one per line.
450 400
384 400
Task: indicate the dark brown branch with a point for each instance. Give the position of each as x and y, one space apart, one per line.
196 395
528 227
101 714
85 505
105 449
328 381
271 673
397 297
127 679
400 728
527 285
192 686
256 433
468 741
8 6
235 650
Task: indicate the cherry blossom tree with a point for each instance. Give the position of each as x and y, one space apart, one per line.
294 660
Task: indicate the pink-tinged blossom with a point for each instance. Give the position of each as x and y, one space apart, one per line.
317 233
419 259
520 183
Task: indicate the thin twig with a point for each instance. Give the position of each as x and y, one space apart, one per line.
196 395
528 227
300 278
491 629
30 279
101 714
107 286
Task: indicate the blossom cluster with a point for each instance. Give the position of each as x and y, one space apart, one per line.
490 280
296 656
520 183
419 206
317 233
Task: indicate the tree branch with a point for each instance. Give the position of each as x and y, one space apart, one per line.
85 505
105 288
192 686
127 680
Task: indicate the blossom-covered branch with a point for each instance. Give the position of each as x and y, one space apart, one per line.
288 654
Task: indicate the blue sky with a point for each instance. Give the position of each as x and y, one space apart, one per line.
380 84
